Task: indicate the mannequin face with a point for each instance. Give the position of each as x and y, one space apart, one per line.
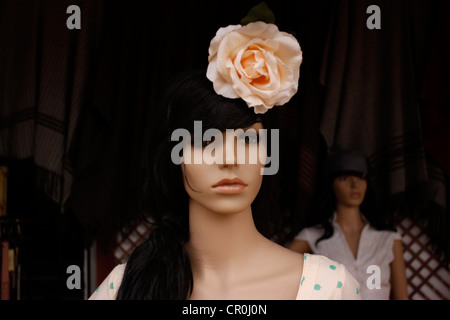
205 183
349 190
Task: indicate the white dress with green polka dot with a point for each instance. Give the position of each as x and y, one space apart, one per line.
322 279
326 279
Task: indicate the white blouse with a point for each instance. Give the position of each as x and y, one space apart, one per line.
371 267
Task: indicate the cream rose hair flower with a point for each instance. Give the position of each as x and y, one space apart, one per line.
255 62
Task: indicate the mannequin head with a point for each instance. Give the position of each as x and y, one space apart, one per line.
349 190
205 184
191 98
345 173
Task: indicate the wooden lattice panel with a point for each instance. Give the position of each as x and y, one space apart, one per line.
127 244
428 279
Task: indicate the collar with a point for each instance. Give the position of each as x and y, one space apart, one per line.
335 224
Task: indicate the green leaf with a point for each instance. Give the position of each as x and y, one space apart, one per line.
260 12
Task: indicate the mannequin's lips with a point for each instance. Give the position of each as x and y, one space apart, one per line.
355 195
230 186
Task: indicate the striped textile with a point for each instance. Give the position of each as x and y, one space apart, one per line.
43 76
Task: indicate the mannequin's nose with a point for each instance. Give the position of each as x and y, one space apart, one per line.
229 150
355 181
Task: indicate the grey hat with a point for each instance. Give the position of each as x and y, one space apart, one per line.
341 162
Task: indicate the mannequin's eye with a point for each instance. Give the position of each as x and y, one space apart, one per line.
198 142
249 137
206 142
343 178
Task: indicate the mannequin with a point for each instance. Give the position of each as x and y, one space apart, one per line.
226 250
211 224
350 229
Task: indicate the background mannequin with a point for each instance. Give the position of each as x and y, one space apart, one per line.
352 231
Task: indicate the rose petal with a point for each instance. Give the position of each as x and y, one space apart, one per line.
227 52
241 89
288 49
224 88
259 109
260 29
221 86
220 34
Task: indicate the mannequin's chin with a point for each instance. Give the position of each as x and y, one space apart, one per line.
229 210
352 203
228 205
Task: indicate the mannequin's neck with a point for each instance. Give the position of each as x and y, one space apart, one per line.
220 242
349 217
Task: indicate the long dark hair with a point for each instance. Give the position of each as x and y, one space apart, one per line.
326 206
159 268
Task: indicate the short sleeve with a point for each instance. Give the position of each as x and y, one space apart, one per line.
310 235
397 236
349 288
386 239
108 289
302 235
326 279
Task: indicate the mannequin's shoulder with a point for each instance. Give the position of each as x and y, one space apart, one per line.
281 270
284 253
275 256
284 260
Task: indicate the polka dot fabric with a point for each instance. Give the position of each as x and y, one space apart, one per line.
326 279
109 287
